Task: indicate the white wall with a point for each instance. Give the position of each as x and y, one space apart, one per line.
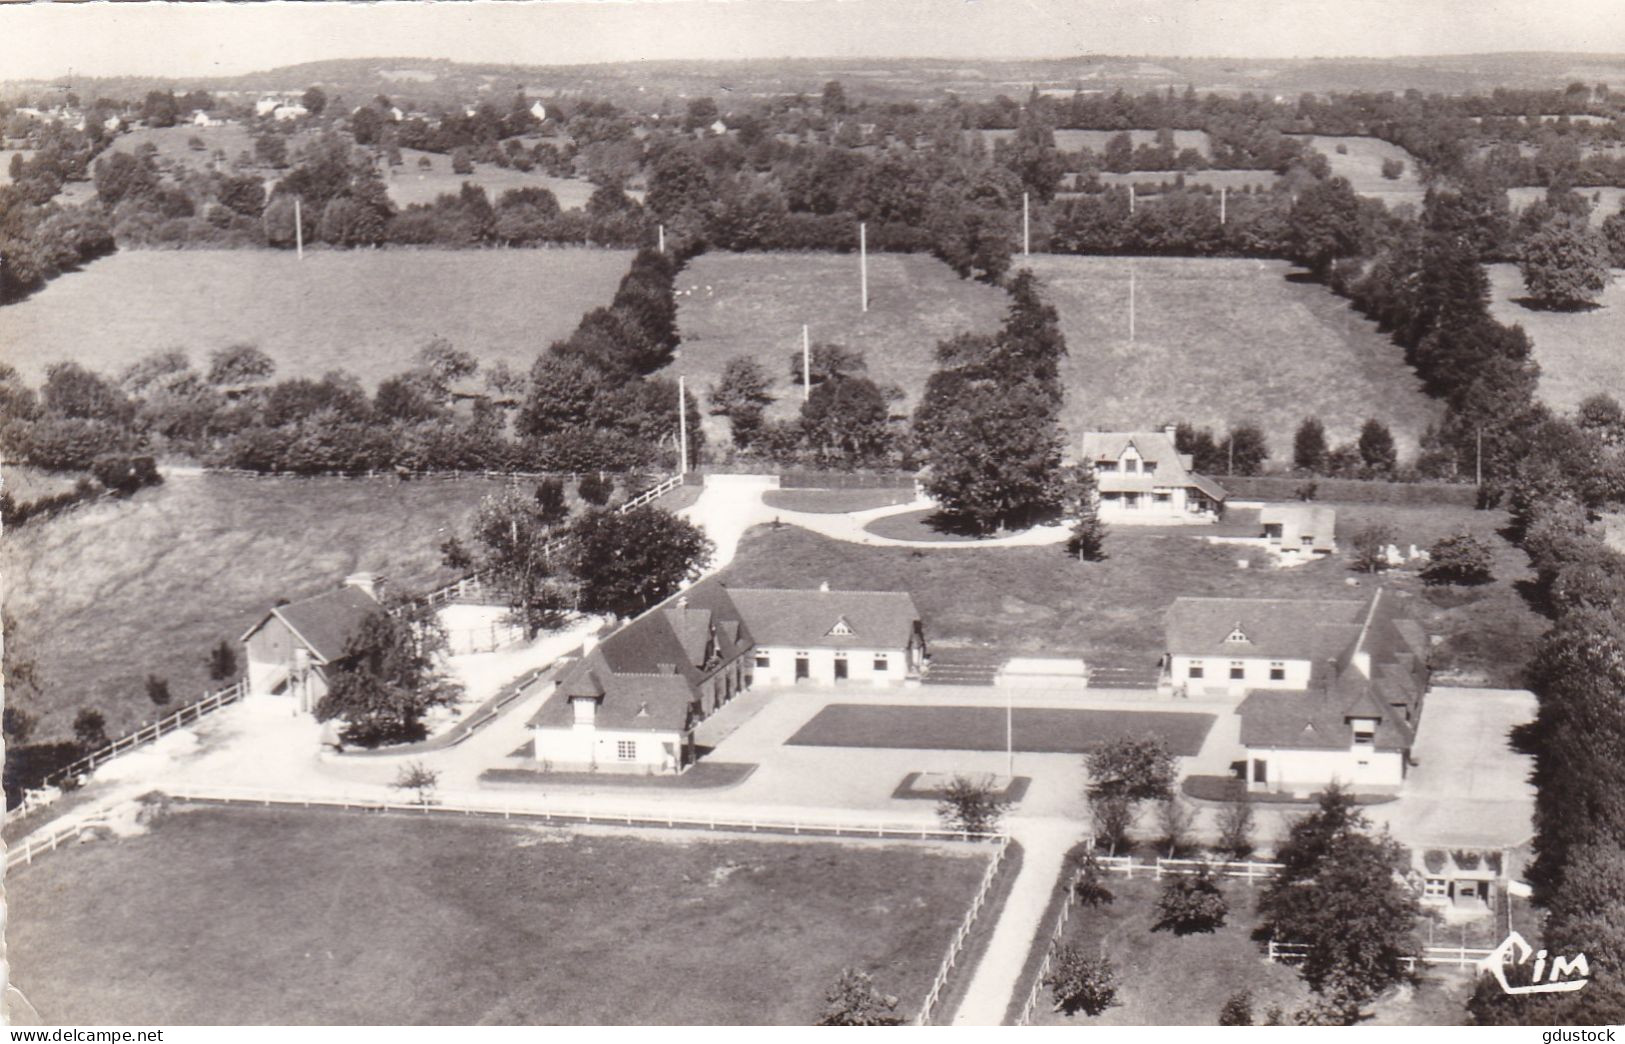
1309 770
860 666
571 749
1256 670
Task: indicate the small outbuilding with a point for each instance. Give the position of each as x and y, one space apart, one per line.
290 651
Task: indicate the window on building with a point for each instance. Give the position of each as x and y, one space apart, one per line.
1308 541
1196 669
1131 466
1238 669
1162 498
1106 465
763 660
882 665
1237 635
626 750
1436 888
1365 731
1277 670
1148 466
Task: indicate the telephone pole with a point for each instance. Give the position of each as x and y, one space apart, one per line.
1026 227
298 230
1221 204
806 364
682 426
863 261
662 239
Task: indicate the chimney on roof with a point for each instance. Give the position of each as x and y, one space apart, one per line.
1170 430
370 584
824 587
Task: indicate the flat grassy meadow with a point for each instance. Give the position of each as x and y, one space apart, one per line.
1605 199
113 591
1361 163
1220 341
409 183
1579 352
755 305
1069 140
225 916
1036 600
365 311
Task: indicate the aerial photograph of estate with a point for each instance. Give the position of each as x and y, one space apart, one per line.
833 513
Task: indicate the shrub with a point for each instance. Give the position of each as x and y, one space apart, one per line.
1089 885
1237 1010
1371 547
420 780
969 805
1433 859
1081 983
1459 559
595 489
1236 826
1191 903
855 1001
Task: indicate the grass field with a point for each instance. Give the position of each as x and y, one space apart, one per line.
113 591
1579 352
1035 730
243 917
1221 341
364 311
755 304
410 184
1073 140
1361 164
1605 200
835 501
917 525
1234 180
1036 600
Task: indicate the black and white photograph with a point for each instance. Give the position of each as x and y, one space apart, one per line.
809 513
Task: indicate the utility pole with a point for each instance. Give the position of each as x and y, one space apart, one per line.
662 239
1221 204
806 364
682 426
1026 227
1478 477
1131 199
298 230
863 261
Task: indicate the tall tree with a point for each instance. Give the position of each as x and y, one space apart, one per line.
1565 264
512 534
1309 445
628 562
741 395
392 673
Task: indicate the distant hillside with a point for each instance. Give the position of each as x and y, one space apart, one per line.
428 81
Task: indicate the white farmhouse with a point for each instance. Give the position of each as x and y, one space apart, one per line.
1142 477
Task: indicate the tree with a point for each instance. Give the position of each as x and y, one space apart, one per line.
826 362
1338 895
1324 225
1236 825
551 507
1377 451
90 729
1246 450
315 100
222 662
1112 817
158 691
1174 820
1371 545
1237 1010
628 562
854 1000
741 395
238 365
1140 768
1080 500
1089 880
420 779
460 162
1191 904
1565 264
1393 169
595 489
994 448
391 674
971 806
1309 445
847 421
1080 982
514 536
271 150
1459 559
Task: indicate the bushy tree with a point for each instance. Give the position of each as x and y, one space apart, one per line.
1459 559
1079 982
1377 451
1236 822
239 364
391 674
90 729
1174 821
513 537
1080 500
1137 767
971 806
1089 880
551 507
854 1000
826 362
628 562
1565 264
222 662
1191 904
158 691
420 779
1371 545
1112 817
741 395
595 488
847 421
1237 1010
1246 449
1309 445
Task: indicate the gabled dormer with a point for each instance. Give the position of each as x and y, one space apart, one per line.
842 629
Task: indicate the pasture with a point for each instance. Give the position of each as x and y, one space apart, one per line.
1579 352
233 138
1234 180
1095 140
311 917
1605 201
365 311
1220 341
755 305
410 184
116 590
1361 163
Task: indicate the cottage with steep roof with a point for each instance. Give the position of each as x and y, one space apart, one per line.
1142 477
1330 690
290 651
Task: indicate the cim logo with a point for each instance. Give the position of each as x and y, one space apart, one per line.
1564 975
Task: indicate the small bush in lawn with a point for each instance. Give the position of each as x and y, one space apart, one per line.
854 1001
1274 1015
420 780
595 489
969 805
1237 1010
1090 887
1190 904
1459 559
1081 983
1236 825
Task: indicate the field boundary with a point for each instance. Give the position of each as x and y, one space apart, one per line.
952 958
23 855
1458 956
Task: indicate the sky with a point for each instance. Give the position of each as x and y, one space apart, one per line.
202 39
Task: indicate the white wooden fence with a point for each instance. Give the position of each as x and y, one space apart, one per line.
189 714
1459 956
948 962
22 855
1031 1003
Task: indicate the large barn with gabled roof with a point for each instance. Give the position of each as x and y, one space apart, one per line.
290 650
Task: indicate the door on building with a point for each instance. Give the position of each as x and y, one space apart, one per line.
803 668
1260 770
840 668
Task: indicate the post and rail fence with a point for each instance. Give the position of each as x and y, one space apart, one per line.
23 854
934 994
1459 956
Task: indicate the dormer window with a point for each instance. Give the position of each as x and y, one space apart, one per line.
1238 636
1131 465
842 629
1365 731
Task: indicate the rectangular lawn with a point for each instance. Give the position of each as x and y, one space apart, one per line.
247 916
1578 352
1036 730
